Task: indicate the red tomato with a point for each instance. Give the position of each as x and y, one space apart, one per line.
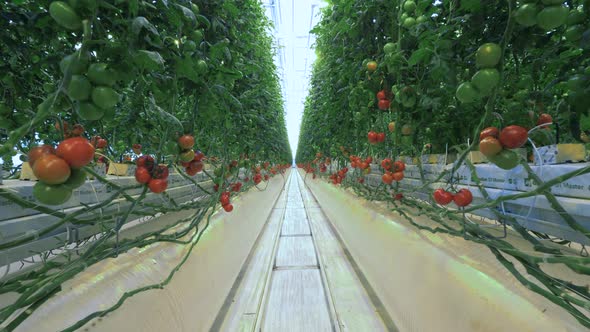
257 178
381 137
490 146
463 197
372 137
384 104
513 137
145 161
101 143
543 119
361 180
368 160
387 164
198 156
228 208
38 151
399 166
387 178
161 172
51 169
196 166
77 130
489 131
76 151
186 142
398 196
142 175
381 95
190 171
398 176
224 198
158 185
442 196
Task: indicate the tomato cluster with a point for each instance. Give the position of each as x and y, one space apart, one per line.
195 165
384 98
393 171
461 198
484 80
375 137
339 176
152 174
495 145
58 170
357 162
550 15
225 203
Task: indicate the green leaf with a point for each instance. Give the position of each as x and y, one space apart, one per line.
148 60
422 55
187 13
140 23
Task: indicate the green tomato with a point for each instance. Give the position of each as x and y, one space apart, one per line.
51 194
485 80
100 74
575 17
104 97
389 48
526 15
76 63
64 15
552 17
409 22
467 93
506 159
79 88
89 112
77 179
409 6
574 33
488 55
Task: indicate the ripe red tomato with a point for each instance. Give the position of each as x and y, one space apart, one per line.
145 161
543 119
384 104
463 197
398 196
186 142
228 208
161 172
101 143
51 169
191 171
142 175
372 137
224 198
257 178
196 166
489 131
513 137
381 95
398 176
77 130
381 137
399 166
266 177
38 151
490 146
76 151
387 178
387 164
158 185
199 156
442 196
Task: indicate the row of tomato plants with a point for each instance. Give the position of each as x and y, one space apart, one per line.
412 77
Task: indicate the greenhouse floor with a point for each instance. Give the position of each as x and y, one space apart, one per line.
299 278
305 255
